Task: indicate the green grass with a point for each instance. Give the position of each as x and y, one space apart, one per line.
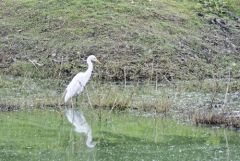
235 5
220 7
44 135
120 33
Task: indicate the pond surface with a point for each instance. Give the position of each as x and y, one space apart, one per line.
47 135
38 130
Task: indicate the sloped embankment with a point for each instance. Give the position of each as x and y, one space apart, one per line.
142 40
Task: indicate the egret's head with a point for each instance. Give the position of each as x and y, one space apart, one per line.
93 58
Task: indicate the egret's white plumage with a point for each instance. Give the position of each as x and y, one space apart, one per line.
81 125
78 82
75 87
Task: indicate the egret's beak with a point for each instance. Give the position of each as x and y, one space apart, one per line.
98 62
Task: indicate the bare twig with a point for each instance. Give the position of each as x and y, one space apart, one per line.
89 100
125 79
225 136
226 93
34 63
156 87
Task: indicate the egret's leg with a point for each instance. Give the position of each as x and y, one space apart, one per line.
72 103
61 126
76 101
72 110
71 133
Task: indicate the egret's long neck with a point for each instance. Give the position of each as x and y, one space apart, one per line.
90 67
88 72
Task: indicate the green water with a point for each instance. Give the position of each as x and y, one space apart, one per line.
45 135
30 135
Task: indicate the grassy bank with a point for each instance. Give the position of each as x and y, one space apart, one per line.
143 40
185 101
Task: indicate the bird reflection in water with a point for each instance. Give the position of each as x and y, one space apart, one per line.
81 125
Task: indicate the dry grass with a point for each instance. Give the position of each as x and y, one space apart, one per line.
209 85
112 98
158 105
119 98
218 118
9 107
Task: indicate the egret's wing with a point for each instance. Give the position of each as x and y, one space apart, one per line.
81 125
74 87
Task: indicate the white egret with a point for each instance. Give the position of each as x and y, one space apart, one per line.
81 125
75 87
78 82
